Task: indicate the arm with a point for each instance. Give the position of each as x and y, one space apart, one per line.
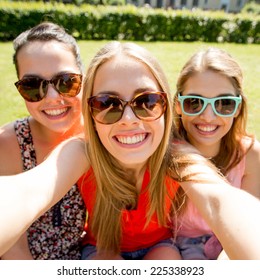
20 251
10 154
251 178
231 213
10 164
54 178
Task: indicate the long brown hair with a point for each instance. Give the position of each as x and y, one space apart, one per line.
217 60
115 190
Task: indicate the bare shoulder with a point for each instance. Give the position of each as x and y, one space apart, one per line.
10 157
253 149
252 155
7 130
251 178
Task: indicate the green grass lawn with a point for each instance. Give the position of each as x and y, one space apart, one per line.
172 56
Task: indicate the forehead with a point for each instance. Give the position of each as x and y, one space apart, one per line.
208 82
124 74
50 47
45 58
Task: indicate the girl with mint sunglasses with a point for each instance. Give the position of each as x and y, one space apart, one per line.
210 112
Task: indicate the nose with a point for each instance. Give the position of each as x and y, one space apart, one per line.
208 114
128 116
52 93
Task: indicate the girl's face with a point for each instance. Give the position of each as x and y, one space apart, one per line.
206 130
46 60
130 140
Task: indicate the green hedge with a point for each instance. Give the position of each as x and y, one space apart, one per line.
130 23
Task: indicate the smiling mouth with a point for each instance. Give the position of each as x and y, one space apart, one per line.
207 128
130 140
55 112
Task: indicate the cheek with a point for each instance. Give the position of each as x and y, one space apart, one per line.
228 123
31 107
186 121
74 100
74 103
102 132
77 103
159 129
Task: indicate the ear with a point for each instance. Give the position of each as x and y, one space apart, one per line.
238 111
178 107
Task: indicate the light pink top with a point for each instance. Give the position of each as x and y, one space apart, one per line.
191 224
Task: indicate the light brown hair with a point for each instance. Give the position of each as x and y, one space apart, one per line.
219 61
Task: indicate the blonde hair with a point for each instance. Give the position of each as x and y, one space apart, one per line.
115 191
217 60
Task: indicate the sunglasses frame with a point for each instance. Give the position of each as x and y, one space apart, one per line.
51 81
130 103
211 101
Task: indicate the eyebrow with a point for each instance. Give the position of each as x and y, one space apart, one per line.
40 77
139 90
219 95
31 76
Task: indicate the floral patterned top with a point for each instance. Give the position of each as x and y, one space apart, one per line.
58 233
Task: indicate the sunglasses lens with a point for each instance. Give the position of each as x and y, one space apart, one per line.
192 105
149 106
31 89
68 84
225 106
106 109
34 89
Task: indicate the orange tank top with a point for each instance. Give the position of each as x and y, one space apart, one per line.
135 235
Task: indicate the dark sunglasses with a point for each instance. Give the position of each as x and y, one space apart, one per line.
34 89
224 106
108 109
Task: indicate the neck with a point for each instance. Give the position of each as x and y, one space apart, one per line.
136 175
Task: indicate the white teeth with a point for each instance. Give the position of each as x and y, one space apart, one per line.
55 112
207 128
131 139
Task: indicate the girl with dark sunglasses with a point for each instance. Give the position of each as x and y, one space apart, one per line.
49 69
128 117
210 113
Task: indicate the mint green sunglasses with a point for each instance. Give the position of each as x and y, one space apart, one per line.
223 106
